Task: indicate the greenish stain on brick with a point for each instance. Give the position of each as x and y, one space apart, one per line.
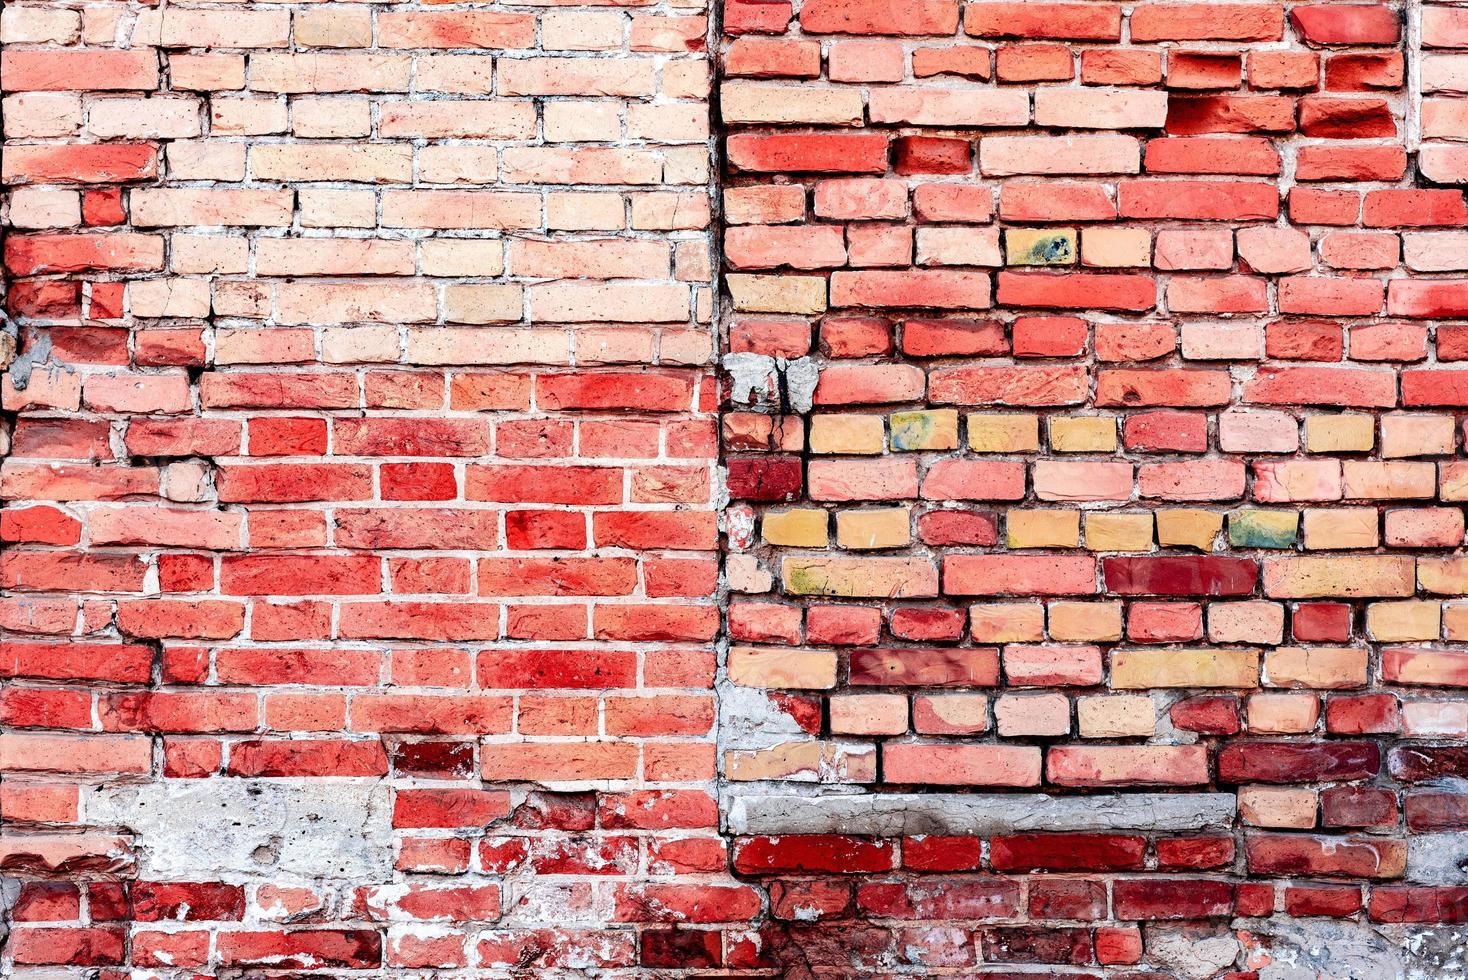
860 578
924 430
1262 528
1039 247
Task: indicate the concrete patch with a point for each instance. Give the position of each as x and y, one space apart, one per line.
1438 859
1195 953
1311 949
315 828
979 814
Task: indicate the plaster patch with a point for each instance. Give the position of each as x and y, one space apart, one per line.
314 828
979 814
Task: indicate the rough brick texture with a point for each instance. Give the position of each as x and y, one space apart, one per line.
359 523
1086 467
1095 429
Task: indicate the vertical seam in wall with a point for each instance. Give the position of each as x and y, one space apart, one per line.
1412 55
718 320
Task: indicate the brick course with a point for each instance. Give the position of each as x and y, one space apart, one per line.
1062 574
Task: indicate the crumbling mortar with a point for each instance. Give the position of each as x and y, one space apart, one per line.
9 895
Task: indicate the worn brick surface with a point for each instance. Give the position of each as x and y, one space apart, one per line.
1095 429
1085 466
359 538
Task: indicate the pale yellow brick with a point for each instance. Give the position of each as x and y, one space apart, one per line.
804 761
1043 528
857 434
242 299
1340 433
577 76
1370 479
457 74
798 528
1007 622
1327 668
34 207
958 246
669 122
360 344
333 257
863 577
44 113
1188 528
927 430
584 302
672 122
312 71
1083 434
206 72
169 297
39 25
1119 532
483 303
248 116
777 294
1095 622
405 301
782 667
670 211
1003 433
686 79
1417 435
886 528
461 257
1140 669
487 345
1340 527
1404 621
1366 576
1455 620
156 118
780 103
368 163
1110 248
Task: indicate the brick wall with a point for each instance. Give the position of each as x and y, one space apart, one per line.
359 508
1131 476
1087 467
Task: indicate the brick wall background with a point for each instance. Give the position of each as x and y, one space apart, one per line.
1086 465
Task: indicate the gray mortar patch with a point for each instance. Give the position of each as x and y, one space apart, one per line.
750 376
1309 949
21 365
1438 859
314 829
978 814
1435 952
